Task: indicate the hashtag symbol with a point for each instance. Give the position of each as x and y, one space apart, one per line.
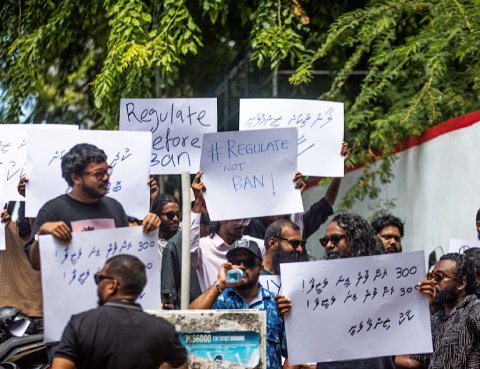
214 152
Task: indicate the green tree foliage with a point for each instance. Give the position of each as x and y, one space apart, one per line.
399 66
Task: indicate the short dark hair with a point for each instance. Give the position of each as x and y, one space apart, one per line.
77 159
478 215
275 229
161 200
387 220
360 236
129 271
465 269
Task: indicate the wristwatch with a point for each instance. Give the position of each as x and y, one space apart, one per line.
217 285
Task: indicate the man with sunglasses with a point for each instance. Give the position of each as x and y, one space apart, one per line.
247 294
389 229
118 333
85 207
450 289
284 244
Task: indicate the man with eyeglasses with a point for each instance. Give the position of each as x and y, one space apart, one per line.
389 229
284 244
85 207
248 293
450 288
118 333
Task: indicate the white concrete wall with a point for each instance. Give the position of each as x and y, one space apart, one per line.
436 191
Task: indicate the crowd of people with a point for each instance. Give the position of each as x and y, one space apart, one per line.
118 334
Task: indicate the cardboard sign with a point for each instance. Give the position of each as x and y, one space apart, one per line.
356 308
127 152
320 130
67 271
177 127
250 174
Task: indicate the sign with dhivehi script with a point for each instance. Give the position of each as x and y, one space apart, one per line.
320 130
127 152
356 308
68 269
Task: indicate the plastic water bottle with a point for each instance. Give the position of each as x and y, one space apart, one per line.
234 275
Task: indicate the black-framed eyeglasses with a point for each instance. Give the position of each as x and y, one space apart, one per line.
438 277
248 262
334 239
293 242
100 173
172 214
99 277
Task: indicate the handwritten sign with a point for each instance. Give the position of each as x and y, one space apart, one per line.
459 245
177 127
250 174
356 308
271 283
320 129
13 153
127 152
233 339
3 241
67 271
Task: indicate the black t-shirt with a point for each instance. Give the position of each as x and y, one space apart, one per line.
120 335
65 208
384 362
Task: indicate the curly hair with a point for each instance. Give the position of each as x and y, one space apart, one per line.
161 200
129 271
387 220
360 236
77 159
465 269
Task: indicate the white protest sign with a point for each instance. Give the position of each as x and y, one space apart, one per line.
177 127
3 241
127 152
250 174
459 245
67 272
271 282
13 153
320 130
356 308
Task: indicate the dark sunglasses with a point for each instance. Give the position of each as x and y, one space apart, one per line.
100 173
249 262
294 243
98 278
334 239
438 277
172 214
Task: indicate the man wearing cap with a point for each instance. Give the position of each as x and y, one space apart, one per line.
248 293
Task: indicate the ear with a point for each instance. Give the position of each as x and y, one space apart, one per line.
462 285
112 287
272 243
75 178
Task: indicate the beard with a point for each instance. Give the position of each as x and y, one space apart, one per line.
169 229
281 257
94 192
447 296
250 283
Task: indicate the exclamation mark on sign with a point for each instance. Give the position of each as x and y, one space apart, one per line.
273 184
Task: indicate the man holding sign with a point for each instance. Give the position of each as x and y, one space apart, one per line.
85 207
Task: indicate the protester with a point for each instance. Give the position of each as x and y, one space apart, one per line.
118 334
20 285
283 244
389 229
85 207
456 325
473 253
247 294
347 235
